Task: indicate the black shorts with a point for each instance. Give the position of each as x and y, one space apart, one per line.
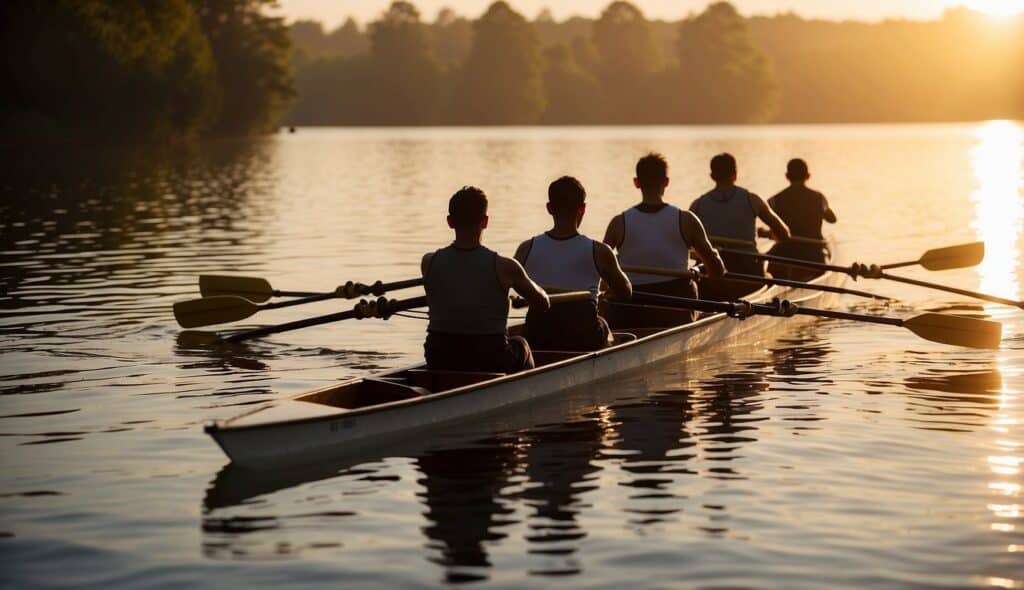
489 353
574 326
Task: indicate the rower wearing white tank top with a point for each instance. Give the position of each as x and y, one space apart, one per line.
562 259
656 234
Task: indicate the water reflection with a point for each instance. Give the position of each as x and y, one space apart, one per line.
998 164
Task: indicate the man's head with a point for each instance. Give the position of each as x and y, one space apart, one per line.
723 168
796 170
567 199
467 209
651 174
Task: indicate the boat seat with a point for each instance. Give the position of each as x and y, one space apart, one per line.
435 381
622 337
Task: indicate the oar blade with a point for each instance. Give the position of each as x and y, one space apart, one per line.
962 256
956 330
252 288
218 309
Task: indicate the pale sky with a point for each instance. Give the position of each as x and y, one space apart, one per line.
333 12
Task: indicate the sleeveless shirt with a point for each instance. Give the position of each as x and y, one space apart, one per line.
802 209
563 263
464 294
653 239
727 215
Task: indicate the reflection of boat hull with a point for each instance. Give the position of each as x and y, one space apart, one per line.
365 412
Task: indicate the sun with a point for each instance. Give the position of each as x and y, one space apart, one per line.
996 8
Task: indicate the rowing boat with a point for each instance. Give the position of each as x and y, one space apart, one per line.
367 411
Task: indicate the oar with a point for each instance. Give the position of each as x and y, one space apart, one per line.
961 256
952 257
377 308
944 329
556 298
220 309
668 272
252 288
733 242
259 289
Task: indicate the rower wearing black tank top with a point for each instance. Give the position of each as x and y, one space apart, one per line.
804 210
467 294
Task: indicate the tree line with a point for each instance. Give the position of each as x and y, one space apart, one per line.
135 69
623 68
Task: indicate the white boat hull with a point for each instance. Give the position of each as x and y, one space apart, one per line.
294 431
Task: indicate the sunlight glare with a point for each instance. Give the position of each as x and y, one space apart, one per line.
997 161
996 8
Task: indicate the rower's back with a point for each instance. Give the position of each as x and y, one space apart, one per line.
463 292
467 289
804 210
566 260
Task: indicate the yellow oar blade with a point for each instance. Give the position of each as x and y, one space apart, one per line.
252 288
956 330
961 256
218 309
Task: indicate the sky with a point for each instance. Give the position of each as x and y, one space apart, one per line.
334 12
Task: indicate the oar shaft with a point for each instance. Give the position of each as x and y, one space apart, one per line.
734 307
305 299
297 293
792 261
800 285
956 290
360 311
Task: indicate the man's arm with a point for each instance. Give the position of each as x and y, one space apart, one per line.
425 267
512 276
697 239
765 213
615 234
830 215
523 251
610 271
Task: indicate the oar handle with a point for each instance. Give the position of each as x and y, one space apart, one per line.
377 308
556 298
733 242
691 273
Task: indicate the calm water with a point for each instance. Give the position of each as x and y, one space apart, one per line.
827 453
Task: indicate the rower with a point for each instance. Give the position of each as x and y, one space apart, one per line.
564 259
803 209
731 212
467 289
656 234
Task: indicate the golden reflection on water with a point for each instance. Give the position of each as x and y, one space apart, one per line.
997 162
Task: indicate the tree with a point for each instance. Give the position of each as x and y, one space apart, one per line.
722 77
86 68
252 54
573 95
502 79
452 36
628 58
405 87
